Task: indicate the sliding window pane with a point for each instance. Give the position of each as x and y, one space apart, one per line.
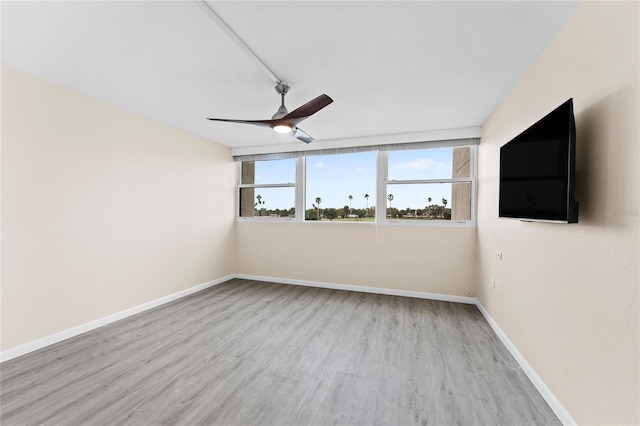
269 171
435 163
426 201
274 203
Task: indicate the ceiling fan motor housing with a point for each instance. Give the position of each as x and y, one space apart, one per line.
282 111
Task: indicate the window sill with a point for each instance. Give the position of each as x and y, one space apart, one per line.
409 223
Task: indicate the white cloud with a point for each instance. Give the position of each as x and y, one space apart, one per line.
419 164
318 165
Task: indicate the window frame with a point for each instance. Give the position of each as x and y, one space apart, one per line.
240 186
382 184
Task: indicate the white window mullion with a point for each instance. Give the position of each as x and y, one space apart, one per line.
474 183
236 210
447 180
381 187
300 188
267 185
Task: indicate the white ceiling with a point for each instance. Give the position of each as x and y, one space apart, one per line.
391 67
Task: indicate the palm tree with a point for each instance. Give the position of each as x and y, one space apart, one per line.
350 198
390 198
259 198
428 209
444 202
318 201
366 197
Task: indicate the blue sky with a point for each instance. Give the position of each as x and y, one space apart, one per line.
334 177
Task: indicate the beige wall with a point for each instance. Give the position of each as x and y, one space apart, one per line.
414 258
102 210
567 295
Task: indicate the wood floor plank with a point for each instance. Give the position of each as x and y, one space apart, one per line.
255 353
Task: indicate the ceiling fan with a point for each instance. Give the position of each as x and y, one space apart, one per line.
284 121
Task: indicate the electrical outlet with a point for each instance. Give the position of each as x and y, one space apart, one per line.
499 255
493 283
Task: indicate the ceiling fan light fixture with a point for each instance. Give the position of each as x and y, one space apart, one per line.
282 128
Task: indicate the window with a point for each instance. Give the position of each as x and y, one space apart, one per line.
430 184
414 183
267 189
341 187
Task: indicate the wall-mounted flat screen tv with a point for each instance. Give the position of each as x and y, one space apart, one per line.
537 170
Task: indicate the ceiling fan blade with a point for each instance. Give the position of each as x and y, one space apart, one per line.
309 108
300 134
262 123
290 120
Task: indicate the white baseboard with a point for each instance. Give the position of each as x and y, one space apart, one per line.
362 289
554 403
92 325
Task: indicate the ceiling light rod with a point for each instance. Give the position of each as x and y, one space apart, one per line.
214 15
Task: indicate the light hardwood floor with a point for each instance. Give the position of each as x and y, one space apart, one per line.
255 353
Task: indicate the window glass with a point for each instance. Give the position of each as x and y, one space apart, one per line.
270 171
425 201
273 203
341 187
421 164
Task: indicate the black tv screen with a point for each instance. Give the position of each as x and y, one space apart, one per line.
537 170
